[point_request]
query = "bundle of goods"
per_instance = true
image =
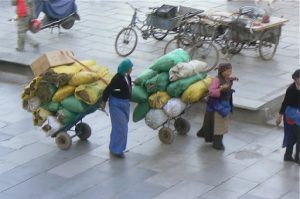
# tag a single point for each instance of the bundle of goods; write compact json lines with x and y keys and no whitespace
{"x":167,"y":86}
{"x":58,"y":94}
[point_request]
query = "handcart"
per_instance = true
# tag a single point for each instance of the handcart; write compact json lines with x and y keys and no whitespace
{"x":63,"y":140}
{"x":167,"y":135}
{"x":155,"y":25}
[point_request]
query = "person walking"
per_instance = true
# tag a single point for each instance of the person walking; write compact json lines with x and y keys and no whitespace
{"x":290,"y":111}
{"x":219,"y":106}
{"x":25,"y":12}
{"x":118,"y":92}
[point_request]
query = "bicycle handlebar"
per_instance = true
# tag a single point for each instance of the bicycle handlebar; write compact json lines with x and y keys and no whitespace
{"x":134,"y":8}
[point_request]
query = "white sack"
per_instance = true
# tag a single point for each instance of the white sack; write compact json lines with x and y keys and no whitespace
{"x":186,"y":69}
{"x":155,"y":118}
{"x":51,"y":126}
{"x":174,"y":107}
{"x":33,"y":104}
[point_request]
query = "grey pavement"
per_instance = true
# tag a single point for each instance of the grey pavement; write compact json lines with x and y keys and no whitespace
{"x":251,"y":167}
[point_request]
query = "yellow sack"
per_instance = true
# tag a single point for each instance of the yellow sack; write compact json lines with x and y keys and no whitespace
{"x":30,"y":90}
{"x":83,"y":77}
{"x":196,"y":91}
{"x":90,"y":93}
{"x":88,"y":63}
{"x":39,"y":116}
{"x":100,"y":70}
{"x":158,"y":99}
{"x":63,"y":92}
{"x":66,"y":69}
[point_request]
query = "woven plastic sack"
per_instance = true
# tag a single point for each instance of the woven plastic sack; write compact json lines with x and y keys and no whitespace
{"x":83,"y":77}
{"x":175,"y":89}
{"x":74,"y":105}
{"x":144,"y":76}
{"x":174,"y":107}
{"x":140,"y":111}
{"x":182,"y":70}
{"x":90,"y":93}
{"x":157,"y":83}
{"x":30,"y":89}
{"x":158,"y":99}
{"x":167,"y":61}
{"x":63,"y":92}
{"x":155,"y":118}
{"x":139,"y":94}
{"x":51,"y":106}
{"x":45,"y":91}
{"x":196,"y":91}
{"x":65,"y":116}
{"x":39,"y":116}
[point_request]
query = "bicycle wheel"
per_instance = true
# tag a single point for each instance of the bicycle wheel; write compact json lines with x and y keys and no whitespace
{"x":206,"y":52}
{"x":158,"y":34}
{"x":126,"y":41}
{"x":268,"y":44}
{"x":178,"y":42}
{"x":235,"y":47}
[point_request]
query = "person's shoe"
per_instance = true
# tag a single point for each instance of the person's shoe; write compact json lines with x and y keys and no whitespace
{"x":117,"y":155}
{"x":218,"y":143}
{"x":20,"y":49}
{"x":288,"y":158}
{"x":200,"y":134}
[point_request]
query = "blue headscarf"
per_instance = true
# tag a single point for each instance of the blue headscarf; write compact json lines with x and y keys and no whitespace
{"x":124,"y":66}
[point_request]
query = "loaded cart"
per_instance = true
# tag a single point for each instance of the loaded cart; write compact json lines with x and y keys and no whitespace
{"x":63,"y":139}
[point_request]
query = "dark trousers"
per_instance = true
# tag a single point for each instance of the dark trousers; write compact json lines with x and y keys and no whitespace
{"x":293,"y":138}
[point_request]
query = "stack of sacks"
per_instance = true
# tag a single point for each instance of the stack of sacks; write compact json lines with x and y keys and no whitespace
{"x":164,"y":89}
{"x":62,"y":92}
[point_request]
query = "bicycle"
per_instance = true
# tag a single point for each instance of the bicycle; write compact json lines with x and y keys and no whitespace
{"x":126,"y":40}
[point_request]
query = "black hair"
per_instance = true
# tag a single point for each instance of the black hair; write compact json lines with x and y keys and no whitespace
{"x":296,"y":74}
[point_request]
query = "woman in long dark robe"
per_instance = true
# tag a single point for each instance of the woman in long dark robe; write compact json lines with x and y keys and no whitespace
{"x":119,"y":92}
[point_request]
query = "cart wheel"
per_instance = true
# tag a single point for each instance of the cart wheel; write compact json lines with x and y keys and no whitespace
{"x":166,"y":135}
{"x":268,"y":44}
{"x":83,"y":131}
{"x":126,"y":41}
{"x":206,"y":52}
{"x":235,"y":47}
{"x":63,"y":140}
{"x":178,"y":42}
{"x":68,"y":23}
{"x":182,"y":126}
{"x":158,"y":34}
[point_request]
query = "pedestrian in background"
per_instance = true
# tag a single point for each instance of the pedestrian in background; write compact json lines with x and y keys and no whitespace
{"x":118,"y":92}
{"x":25,"y":12}
{"x":290,"y":110}
{"x":218,"y":108}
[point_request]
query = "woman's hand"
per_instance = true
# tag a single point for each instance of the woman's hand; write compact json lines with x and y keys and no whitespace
{"x":278,"y":119}
{"x":224,"y":86}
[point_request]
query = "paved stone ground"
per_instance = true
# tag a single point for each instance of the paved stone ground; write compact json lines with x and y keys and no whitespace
{"x":251,"y":167}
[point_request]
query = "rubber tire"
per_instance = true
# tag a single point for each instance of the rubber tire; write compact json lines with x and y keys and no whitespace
{"x":266,"y":36}
{"x":178,"y":42}
{"x":159,"y":36}
{"x":201,"y":47}
{"x":118,"y":37}
{"x":166,"y":135}
{"x":63,"y":140}
{"x":83,"y":131}
{"x":182,"y":126}
{"x":68,"y":23}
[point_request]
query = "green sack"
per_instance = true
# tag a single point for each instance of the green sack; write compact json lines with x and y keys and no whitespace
{"x":144,"y":76}
{"x":139,"y":94}
{"x":157,"y":83}
{"x":51,"y":106}
{"x":175,"y":89}
{"x":73,"y":104}
{"x":167,"y":61}
{"x":140,"y":111}
{"x":65,"y":116}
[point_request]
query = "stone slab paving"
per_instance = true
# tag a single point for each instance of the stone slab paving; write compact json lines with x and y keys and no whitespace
{"x":31,"y":166}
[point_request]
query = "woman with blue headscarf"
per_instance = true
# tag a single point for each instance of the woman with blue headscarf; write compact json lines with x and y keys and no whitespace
{"x":118,"y":92}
